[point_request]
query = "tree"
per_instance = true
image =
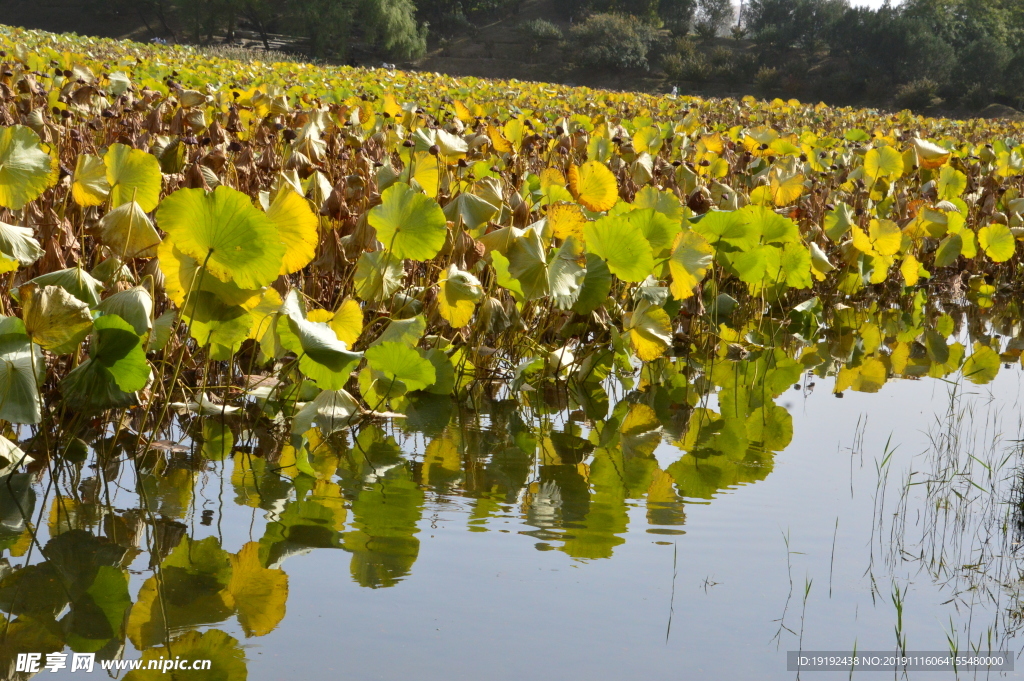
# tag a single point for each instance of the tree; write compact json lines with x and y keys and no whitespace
{"x":611,"y":41}
{"x":677,"y":14}
{"x":713,"y":17}
{"x":392,"y":25}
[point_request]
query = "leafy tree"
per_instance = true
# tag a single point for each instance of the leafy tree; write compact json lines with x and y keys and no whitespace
{"x":713,"y":17}
{"x":677,"y":14}
{"x":611,"y":41}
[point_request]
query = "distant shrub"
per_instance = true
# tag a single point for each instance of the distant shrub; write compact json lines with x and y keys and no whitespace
{"x":541,"y":29}
{"x":767,"y":79}
{"x":672,"y":65}
{"x":918,"y":94}
{"x":611,"y":41}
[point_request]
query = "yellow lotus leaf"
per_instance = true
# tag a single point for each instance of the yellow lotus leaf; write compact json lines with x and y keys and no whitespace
{"x":649,"y":329}
{"x":259,"y":593}
{"x":298,"y":228}
{"x":997,"y":241}
{"x":90,"y":186}
{"x":347,"y":322}
{"x":786,"y":188}
{"x":593,"y":185}
{"x":930,"y":156}
{"x":459,"y":292}
{"x":425,"y":173}
{"x":883,"y":162}
{"x":133,"y":175}
{"x":565,"y":220}
{"x":691,"y":257}
{"x":910,"y":268}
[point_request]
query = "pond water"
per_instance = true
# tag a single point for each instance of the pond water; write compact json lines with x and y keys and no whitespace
{"x":508,"y":542}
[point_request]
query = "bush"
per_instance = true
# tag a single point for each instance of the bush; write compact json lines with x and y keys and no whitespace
{"x":611,"y":41}
{"x":767,"y":80}
{"x":541,"y":29}
{"x":672,"y":65}
{"x":918,"y":94}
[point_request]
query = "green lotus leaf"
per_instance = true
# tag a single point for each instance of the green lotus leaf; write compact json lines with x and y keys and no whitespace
{"x":133,"y":175}
{"x":501,"y":240}
{"x":378,"y":275}
{"x":949,"y":250}
{"x":26,"y":171}
{"x":752,"y":266}
{"x":407,"y":331}
{"x":115,"y":371}
{"x":75,"y":281}
{"x":322,"y":357}
{"x":408,"y":223}
{"x":330,"y":411}
{"x":21,"y":374}
{"x":135,"y":306}
{"x":444,"y":372}
{"x":183,"y":273}
{"x":622,"y":245}
{"x":596,"y":286}
{"x":474,"y":211}
{"x":665,"y":202}
{"x":20,"y":244}
{"x":657,"y":228}
{"x":398,"y":361}
{"x":116,"y":347}
{"x":795,"y":266}
{"x":539,"y":274}
{"x":732,"y":228}
{"x":237,"y":241}
{"x":773,"y":228}
{"x":128,"y":232}
{"x":213,"y":322}
{"x":54,"y":319}
{"x":839,"y":221}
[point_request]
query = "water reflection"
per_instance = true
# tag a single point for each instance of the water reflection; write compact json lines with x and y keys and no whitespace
{"x":117,"y":544}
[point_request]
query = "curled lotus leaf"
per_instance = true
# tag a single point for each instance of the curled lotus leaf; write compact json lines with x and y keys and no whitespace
{"x":19,"y":244}
{"x":128,"y":232}
{"x":54,"y":319}
{"x":25,"y":169}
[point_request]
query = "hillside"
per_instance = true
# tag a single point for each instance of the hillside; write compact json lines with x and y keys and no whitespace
{"x":500,"y":47}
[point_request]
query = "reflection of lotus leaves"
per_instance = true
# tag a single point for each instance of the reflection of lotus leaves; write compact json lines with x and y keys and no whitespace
{"x":80,"y":571}
{"x":190,"y":591}
{"x":384,"y":524}
{"x":702,"y":477}
{"x":314,"y":522}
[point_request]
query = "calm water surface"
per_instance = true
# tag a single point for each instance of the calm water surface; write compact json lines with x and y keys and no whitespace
{"x":507,"y":545}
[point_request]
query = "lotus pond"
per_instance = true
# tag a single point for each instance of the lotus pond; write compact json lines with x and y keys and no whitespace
{"x":626,"y":532}
{"x":326,"y":371}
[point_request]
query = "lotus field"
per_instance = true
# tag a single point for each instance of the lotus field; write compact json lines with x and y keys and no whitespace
{"x":302,"y":246}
